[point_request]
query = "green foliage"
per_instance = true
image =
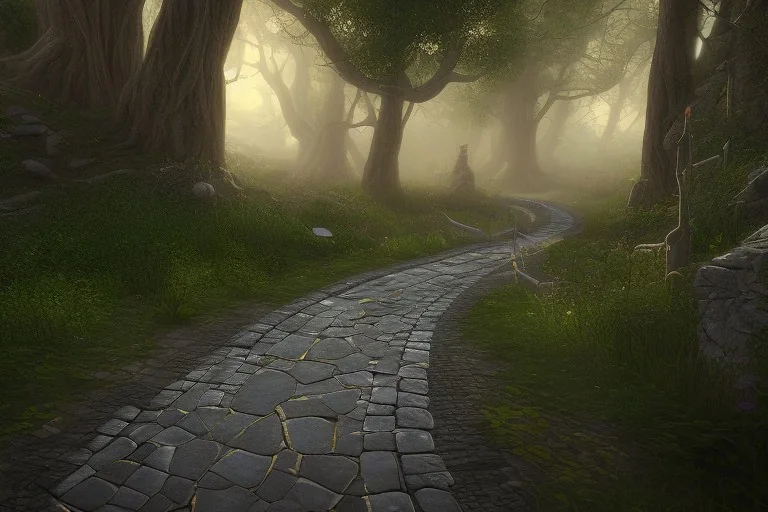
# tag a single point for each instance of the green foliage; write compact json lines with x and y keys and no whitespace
{"x":604,"y":389}
{"x":18,"y":22}
{"x":385,"y":39}
{"x":85,"y":281}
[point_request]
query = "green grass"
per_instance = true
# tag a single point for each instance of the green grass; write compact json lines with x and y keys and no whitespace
{"x":604,"y":390}
{"x":17,"y":20}
{"x":87,"y":280}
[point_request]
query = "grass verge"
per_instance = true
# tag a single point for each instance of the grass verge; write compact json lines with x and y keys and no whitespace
{"x":603,"y":389}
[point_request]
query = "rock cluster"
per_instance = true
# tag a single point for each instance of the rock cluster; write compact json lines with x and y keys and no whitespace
{"x":732,"y":294}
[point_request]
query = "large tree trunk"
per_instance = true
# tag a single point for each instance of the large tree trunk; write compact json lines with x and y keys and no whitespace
{"x":176,"y":103}
{"x":86,"y":54}
{"x":328,"y":160}
{"x":381,"y":176}
{"x":518,"y":118}
{"x":670,"y":89}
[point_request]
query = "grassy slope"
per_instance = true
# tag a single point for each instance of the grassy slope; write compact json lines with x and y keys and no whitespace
{"x":604,"y":390}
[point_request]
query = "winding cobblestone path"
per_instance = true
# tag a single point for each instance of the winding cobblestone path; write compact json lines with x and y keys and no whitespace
{"x":321,"y":405}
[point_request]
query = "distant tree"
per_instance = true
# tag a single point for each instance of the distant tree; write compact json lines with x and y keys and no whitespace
{"x":573,"y":50}
{"x":86,"y":52}
{"x":175,"y":102}
{"x":403,"y":52}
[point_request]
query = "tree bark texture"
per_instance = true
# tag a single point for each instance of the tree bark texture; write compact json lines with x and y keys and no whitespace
{"x":670,"y":89}
{"x":86,"y":54}
{"x":176,"y":103}
{"x":518,"y":119}
{"x":381,"y":177}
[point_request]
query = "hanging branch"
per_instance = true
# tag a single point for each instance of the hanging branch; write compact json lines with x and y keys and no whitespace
{"x":408,"y":112}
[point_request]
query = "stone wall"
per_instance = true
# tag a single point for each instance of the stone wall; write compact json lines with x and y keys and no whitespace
{"x":732,"y":293}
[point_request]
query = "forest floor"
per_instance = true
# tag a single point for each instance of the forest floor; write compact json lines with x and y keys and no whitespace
{"x":592,"y":397}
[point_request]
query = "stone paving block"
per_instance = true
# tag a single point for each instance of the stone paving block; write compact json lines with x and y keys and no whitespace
{"x":414,"y":441}
{"x":118,"y":472}
{"x":416,"y":356}
{"x":120,"y":448}
{"x":384,"y":395}
{"x":417,"y":386}
{"x":193,"y":424}
{"x":308,"y":372}
{"x":383,"y":379}
{"x":263,"y":391}
{"x":440,"y":480}
{"x":319,"y":388}
{"x":276,"y":486}
{"x":312,"y":496}
{"x":232,"y":425}
{"x":356,"y":379}
{"x":172,"y":436}
{"x":311,"y":435}
{"x":264,"y":437}
{"x":147,"y":480}
{"x":161,"y":458}
{"x":292,"y":346}
{"x":330,"y":349}
{"x":412,"y":400}
{"x":73,"y":479}
{"x":288,"y":461}
{"x":169,"y":417}
{"x":334,"y":472}
{"x":145,"y":432}
{"x":379,"y":424}
{"x":193,"y":459}
{"x":414,"y":417}
{"x":381,"y":410}
{"x":234,"y":499}
{"x":353,"y":363}
{"x":387,"y":365}
{"x":178,"y":489}
{"x":300,"y":408}
{"x":128,"y":498}
{"x":342,"y":402}
{"x":380,"y":441}
{"x":352,"y":504}
{"x":90,"y":494}
{"x":112,"y":427}
{"x":243,"y":468}
{"x":127,"y":413}
{"x":381,"y":471}
{"x":435,"y":500}
{"x":98,"y":442}
{"x":390,"y":502}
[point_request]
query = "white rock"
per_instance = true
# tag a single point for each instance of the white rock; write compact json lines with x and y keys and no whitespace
{"x":203,"y":190}
{"x":322,"y":232}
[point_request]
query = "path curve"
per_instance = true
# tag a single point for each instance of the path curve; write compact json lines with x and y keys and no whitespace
{"x":321,"y":405}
